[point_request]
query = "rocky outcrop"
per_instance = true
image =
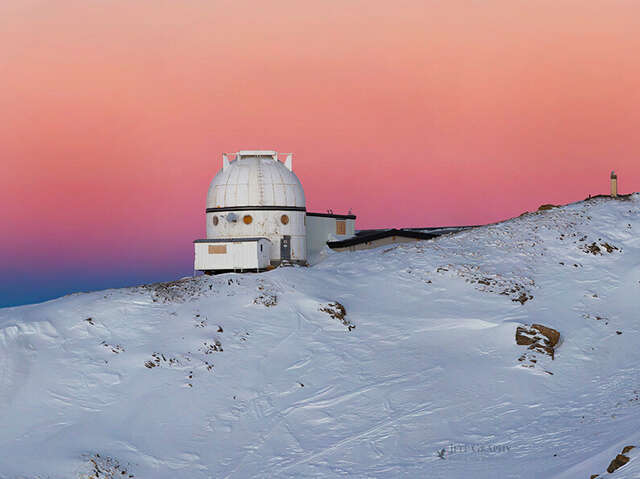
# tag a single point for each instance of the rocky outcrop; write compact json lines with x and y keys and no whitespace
{"x":337,"y":311}
{"x":596,"y":249}
{"x":620,"y":460}
{"x":547,"y":207}
{"x":539,"y":338}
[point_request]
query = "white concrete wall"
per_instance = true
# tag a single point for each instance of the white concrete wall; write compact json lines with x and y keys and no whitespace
{"x":265,"y":223}
{"x":321,"y":229}
{"x":239,"y":255}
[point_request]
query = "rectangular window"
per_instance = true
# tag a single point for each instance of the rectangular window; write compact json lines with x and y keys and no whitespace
{"x":217,"y":249}
{"x":341,"y":227}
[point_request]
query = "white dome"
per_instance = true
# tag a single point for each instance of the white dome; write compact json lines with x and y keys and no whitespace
{"x":255,"y":178}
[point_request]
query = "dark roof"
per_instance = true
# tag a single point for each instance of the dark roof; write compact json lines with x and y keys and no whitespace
{"x":380,"y":234}
{"x":366,"y":236}
{"x":331,"y":215}
{"x":229,"y":240}
{"x":435,"y":230}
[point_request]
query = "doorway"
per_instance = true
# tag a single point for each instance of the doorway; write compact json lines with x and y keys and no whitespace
{"x":285,"y":248}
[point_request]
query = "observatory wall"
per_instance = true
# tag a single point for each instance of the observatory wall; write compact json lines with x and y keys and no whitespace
{"x":323,"y":227}
{"x":267,"y":222}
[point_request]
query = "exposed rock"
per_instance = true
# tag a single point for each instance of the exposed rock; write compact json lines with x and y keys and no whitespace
{"x":592,"y":248}
{"x":522,"y":336}
{"x":338,"y":311}
{"x":551,"y":334}
{"x":539,"y":338}
{"x":159,"y":358}
{"x":213,"y":347}
{"x":335,"y":310}
{"x":517,"y":288}
{"x":617,"y":463}
{"x":115,"y":348}
{"x":266,"y":299}
{"x":177,"y":291}
{"x":620,"y":460}
{"x":547,"y":207}
{"x":523,"y":298}
{"x":107,"y":468}
{"x":596,"y":249}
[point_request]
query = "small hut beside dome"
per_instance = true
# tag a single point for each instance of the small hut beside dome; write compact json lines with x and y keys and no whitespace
{"x":323,"y":228}
{"x":256,"y":217}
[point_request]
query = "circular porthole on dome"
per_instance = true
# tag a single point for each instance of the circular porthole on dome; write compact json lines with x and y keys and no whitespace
{"x":214,"y":220}
{"x":284,"y":219}
{"x":247,"y":219}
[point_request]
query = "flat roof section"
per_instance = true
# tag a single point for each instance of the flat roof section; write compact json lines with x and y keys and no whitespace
{"x":230,"y":240}
{"x":380,"y":235}
{"x":331,"y":215}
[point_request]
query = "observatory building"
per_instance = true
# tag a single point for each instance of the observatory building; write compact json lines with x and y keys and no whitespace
{"x":257,"y":218}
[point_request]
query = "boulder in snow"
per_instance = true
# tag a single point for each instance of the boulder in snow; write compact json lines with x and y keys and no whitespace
{"x":620,"y":460}
{"x":538,"y":337}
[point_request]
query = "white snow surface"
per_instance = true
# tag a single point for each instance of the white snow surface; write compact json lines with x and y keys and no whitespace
{"x":252,"y":379}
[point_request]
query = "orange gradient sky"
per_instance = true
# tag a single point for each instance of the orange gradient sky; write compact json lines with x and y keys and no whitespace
{"x":412,"y":113}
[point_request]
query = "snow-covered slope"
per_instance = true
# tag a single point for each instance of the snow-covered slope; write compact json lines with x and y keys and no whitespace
{"x":259,"y":376}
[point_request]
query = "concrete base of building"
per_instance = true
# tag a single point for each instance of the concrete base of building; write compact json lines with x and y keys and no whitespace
{"x":273,"y":265}
{"x":285,"y":262}
{"x":222,"y":271}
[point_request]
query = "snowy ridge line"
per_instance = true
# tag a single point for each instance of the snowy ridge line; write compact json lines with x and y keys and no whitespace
{"x":265,"y":383}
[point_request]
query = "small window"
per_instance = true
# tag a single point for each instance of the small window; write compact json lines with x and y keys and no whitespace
{"x":284,"y":219}
{"x":341,"y":227}
{"x":260,"y":247}
{"x":247,"y":219}
{"x":217,"y":249}
{"x":214,"y":220}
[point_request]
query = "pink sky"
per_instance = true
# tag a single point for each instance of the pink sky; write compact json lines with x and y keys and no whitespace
{"x":412,"y":113}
